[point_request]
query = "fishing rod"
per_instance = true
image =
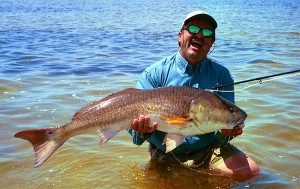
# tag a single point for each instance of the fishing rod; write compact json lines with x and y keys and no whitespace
{"x":254,"y":79}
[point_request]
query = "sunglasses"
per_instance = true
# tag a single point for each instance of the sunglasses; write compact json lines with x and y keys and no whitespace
{"x":193,"y":29}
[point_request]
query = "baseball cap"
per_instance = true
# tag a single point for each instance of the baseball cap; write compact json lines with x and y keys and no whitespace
{"x":201,"y":15}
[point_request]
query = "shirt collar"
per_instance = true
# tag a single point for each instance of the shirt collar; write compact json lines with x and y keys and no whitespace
{"x":183,"y":64}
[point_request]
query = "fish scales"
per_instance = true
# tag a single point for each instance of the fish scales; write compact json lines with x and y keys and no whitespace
{"x":179,"y":111}
{"x":143,"y":102}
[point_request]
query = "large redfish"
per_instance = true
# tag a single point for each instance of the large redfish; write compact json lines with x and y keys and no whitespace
{"x":179,"y":112}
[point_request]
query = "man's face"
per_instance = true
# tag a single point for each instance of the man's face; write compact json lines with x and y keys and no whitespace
{"x":195,"y":47}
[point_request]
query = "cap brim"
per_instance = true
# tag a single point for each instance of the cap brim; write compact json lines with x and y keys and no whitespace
{"x":201,"y":16}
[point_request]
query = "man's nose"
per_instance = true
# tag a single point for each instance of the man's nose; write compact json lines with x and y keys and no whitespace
{"x":199,"y":34}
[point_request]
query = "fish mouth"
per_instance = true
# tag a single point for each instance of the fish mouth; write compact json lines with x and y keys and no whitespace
{"x":239,"y":123}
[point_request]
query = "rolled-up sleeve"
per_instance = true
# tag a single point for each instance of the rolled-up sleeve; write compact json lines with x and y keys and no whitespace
{"x":137,"y":138}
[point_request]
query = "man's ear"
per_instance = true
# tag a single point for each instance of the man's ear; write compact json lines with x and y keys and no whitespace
{"x":179,"y":37}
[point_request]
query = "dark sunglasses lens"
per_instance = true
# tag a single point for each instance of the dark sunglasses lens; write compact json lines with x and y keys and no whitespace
{"x":193,"y":29}
{"x":207,"y":33}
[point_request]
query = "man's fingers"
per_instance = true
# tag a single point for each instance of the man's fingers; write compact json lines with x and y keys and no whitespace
{"x":146,"y":121}
{"x":238,"y":131}
{"x":155,"y":124}
{"x":151,"y":128}
{"x":148,"y":128}
{"x":134,"y":124}
{"x":232,"y":132}
{"x":142,"y":125}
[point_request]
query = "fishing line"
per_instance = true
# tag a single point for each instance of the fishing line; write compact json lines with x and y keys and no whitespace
{"x":259,"y":79}
{"x":189,"y":167}
{"x":216,"y":89}
{"x":198,"y":171}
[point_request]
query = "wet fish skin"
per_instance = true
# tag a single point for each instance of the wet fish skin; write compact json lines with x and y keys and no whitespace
{"x":179,"y":111}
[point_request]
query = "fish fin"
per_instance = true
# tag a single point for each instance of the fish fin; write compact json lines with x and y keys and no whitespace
{"x":106,"y":135}
{"x":172,"y":141}
{"x":178,"y":120}
{"x":42,"y":143}
{"x":94,"y":105}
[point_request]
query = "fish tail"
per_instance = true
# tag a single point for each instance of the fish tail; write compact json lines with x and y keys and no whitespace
{"x":45,"y":142}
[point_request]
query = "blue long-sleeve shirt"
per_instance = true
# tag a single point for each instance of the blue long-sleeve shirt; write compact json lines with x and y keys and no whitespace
{"x":176,"y":71}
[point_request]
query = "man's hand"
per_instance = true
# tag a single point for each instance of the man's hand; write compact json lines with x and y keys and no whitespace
{"x":237,"y":130}
{"x":142,"y":125}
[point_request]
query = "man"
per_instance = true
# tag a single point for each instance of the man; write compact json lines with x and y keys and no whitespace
{"x":191,"y":67}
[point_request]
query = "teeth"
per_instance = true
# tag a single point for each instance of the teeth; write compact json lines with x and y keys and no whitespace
{"x":197,"y":42}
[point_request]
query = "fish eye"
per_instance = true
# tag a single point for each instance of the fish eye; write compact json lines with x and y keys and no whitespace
{"x":231,"y":110}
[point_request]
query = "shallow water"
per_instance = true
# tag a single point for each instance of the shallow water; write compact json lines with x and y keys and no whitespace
{"x":57,"y":56}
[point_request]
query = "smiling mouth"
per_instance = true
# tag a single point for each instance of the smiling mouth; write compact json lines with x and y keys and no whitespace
{"x":196,"y":44}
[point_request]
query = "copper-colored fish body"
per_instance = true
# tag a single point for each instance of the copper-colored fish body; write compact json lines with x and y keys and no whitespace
{"x":179,"y":111}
